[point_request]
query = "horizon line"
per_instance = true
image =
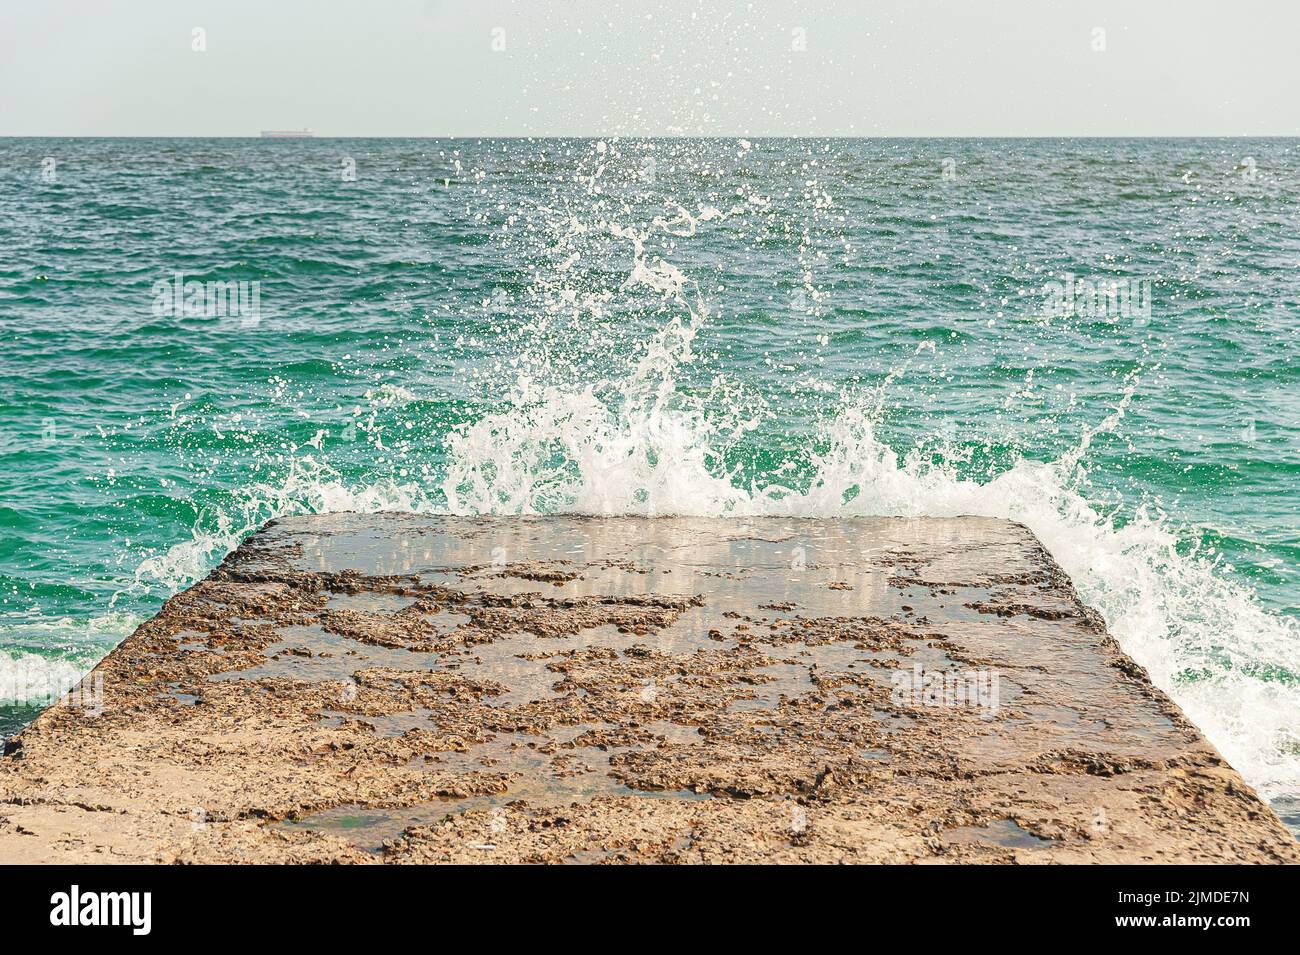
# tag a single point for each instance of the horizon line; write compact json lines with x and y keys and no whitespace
{"x":664,"y":136}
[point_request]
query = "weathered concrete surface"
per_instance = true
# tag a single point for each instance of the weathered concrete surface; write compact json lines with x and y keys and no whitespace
{"x":396,"y":688}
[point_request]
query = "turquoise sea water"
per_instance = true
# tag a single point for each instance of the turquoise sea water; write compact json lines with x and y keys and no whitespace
{"x":776,"y":326}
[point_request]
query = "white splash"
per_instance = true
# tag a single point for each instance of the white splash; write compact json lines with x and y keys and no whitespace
{"x":34,"y":680}
{"x":310,"y":487}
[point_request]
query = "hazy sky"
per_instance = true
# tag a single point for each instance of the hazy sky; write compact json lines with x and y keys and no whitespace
{"x":604,"y":67}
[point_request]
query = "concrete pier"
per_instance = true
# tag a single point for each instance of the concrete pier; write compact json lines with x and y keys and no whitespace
{"x":409,"y":689}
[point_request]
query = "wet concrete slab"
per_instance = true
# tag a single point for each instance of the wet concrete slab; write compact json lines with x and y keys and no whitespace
{"x":396,"y":688}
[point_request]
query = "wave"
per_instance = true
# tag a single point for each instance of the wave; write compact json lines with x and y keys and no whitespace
{"x":33,"y":679}
{"x":311,"y":486}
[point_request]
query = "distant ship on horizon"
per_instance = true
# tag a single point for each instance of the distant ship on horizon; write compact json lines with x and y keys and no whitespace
{"x":287,"y":134}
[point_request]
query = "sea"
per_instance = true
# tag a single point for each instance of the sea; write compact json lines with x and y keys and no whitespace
{"x":1095,"y":337}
